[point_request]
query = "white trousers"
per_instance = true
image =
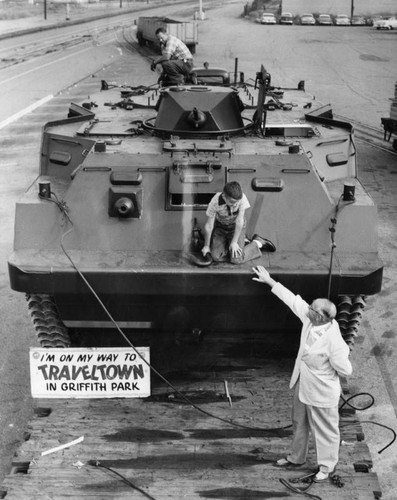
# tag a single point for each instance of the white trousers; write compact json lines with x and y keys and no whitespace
{"x":323,"y":423}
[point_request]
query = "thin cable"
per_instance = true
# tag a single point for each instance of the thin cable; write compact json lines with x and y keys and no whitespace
{"x":334,"y":220}
{"x":359,"y":408}
{"x":334,"y":478}
{"x":332,"y":230}
{"x":64,"y":209}
{"x":96,"y":463}
{"x":386,"y":427}
{"x":298,"y":490}
{"x":346,"y":402}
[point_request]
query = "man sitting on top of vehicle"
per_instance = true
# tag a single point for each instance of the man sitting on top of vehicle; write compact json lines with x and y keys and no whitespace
{"x":176,"y":59}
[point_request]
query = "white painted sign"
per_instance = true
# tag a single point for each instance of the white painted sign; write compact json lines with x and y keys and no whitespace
{"x":90,"y":373}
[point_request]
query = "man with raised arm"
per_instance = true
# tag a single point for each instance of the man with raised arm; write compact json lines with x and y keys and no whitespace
{"x":322,"y":358}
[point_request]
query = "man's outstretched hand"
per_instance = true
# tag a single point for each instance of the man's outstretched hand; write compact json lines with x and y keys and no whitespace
{"x":263,"y":276}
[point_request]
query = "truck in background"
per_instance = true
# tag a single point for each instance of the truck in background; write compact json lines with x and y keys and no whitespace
{"x":184,"y":30}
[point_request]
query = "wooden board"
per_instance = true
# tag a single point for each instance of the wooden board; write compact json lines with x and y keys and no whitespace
{"x":171,"y":449}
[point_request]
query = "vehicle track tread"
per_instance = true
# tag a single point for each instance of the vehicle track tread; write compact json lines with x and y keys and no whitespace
{"x":50,"y":330}
{"x":350,"y":310}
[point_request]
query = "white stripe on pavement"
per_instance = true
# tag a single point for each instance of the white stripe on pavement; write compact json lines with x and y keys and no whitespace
{"x":25,"y":111}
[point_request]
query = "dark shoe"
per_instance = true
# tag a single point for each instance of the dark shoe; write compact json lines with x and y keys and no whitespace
{"x":208,"y":259}
{"x":284,"y":462}
{"x":267,"y":245}
{"x":198,"y":259}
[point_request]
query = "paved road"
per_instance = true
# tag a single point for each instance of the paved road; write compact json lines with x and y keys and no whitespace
{"x":355,"y":70}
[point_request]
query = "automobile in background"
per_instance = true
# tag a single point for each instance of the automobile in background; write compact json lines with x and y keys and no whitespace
{"x":268,"y":18}
{"x":324,"y":19}
{"x":389,"y":23}
{"x":307,"y":19}
{"x":286,"y":18}
{"x":342,"y":20}
{"x":358,"y":21}
{"x":372,"y":20}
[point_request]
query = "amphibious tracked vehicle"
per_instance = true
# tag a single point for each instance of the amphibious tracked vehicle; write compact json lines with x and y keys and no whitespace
{"x":103,"y":236}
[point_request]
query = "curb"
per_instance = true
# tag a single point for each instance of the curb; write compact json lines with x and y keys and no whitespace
{"x":63,"y":24}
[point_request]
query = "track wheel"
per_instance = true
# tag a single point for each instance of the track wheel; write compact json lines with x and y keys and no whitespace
{"x":49,"y":327}
{"x":349,"y":315}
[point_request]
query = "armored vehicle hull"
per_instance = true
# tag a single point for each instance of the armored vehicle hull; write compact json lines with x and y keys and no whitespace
{"x":104,"y":236}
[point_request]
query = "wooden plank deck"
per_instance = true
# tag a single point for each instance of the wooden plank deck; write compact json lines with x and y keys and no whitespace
{"x":171,"y":450}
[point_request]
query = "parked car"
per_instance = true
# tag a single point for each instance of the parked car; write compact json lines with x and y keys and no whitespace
{"x":358,"y":21}
{"x":386,"y":24}
{"x":372,"y":20}
{"x":268,"y":18}
{"x":307,"y":19}
{"x":342,"y":20}
{"x":286,"y":18}
{"x":324,"y":19}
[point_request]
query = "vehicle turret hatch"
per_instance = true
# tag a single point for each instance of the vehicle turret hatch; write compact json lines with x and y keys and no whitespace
{"x":105,"y":128}
{"x":288,"y":130}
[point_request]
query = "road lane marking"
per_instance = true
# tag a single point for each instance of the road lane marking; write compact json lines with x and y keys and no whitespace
{"x":25,"y":111}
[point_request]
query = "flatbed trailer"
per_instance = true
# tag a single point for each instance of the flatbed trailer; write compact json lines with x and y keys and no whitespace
{"x":221,"y":443}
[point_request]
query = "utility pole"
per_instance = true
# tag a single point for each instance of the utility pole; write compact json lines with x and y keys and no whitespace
{"x":352,"y":9}
{"x":45,"y":9}
{"x":201,"y":15}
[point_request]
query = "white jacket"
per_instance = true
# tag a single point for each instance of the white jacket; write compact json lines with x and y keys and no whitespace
{"x":318,"y":367}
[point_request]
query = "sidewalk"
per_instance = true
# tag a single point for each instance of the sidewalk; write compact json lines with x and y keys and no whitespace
{"x":75,"y":14}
